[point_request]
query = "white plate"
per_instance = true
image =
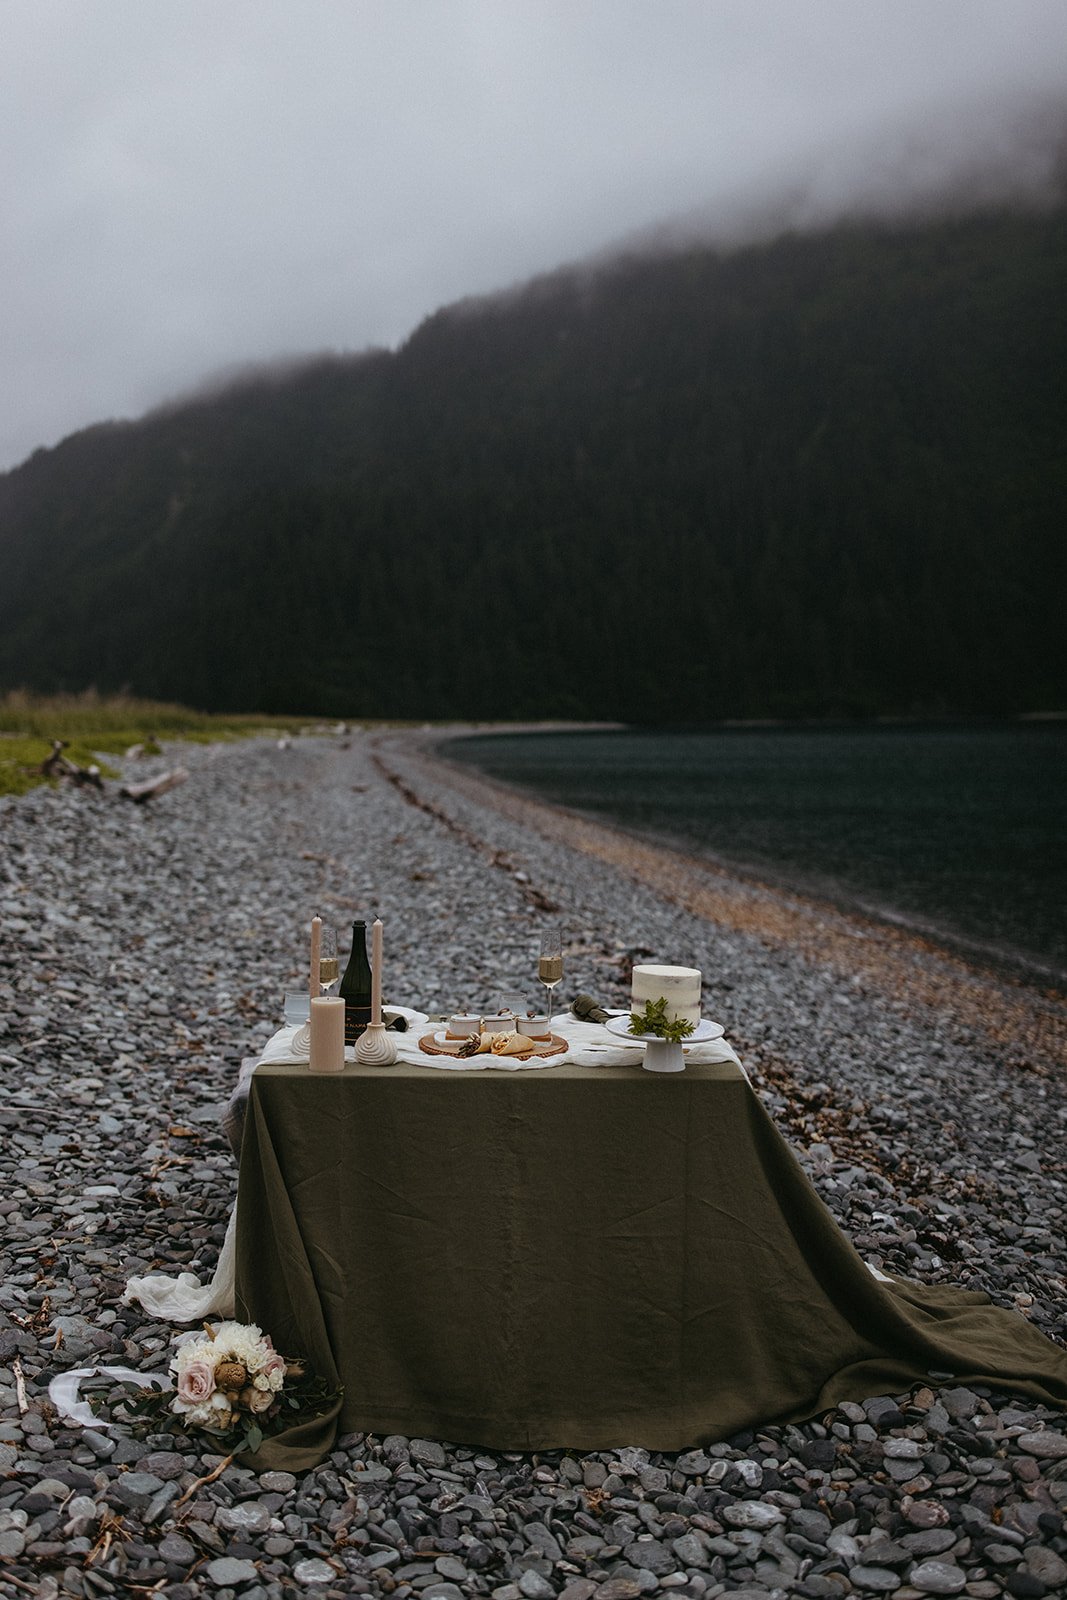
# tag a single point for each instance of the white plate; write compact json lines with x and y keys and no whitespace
{"x":704,"y":1030}
{"x":444,"y":1038}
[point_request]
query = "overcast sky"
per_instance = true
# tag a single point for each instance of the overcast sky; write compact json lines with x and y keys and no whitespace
{"x":198,"y":183}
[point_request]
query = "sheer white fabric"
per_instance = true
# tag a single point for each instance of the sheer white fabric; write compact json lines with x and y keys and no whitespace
{"x":185,"y":1298}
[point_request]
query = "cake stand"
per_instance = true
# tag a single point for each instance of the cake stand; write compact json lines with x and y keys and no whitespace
{"x":663,"y":1055}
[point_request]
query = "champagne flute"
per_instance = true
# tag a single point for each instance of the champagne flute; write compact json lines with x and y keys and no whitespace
{"x":550,"y":963}
{"x":329,"y":967}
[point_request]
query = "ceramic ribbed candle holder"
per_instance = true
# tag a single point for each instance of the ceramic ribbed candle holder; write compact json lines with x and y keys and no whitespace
{"x":375,"y":1047}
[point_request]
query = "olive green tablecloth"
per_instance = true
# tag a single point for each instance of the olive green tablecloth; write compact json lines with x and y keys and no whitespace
{"x":575,"y":1257}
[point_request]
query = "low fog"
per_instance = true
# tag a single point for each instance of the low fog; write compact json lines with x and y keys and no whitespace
{"x":197,"y":190}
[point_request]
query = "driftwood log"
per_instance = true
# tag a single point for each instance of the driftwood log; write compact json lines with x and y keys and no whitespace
{"x":57,"y":765}
{"x":141,"y":793}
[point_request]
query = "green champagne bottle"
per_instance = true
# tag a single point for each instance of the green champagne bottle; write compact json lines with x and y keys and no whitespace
{"x":355,"y":985}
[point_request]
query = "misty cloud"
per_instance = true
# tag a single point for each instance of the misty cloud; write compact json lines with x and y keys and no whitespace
{"x":199,"y":187}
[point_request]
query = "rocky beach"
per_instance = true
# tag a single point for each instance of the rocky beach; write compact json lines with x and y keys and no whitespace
{"x":144,"y":953}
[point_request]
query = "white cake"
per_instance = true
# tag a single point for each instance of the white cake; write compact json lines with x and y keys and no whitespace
{"x":679,"y":986}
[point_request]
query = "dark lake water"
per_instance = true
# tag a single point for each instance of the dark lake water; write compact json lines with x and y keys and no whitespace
{"x":952,"y":830}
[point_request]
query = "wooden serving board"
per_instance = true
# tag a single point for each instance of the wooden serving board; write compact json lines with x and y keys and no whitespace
{"x":552,"y":1046}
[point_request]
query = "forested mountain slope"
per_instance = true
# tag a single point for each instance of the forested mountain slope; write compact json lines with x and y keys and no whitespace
{"x":825,"y":475}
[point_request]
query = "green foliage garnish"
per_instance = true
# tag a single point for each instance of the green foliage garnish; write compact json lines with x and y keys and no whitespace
{"x":655,"y":1020}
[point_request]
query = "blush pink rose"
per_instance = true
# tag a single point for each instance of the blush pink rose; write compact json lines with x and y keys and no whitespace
{"x":274,"y":1363}
{"x":196,"y":1383}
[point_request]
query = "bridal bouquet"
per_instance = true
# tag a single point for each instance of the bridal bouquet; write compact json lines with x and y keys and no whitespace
{"x":230,"y":1380}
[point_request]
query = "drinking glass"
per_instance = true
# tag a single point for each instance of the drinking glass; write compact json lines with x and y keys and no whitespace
{"x":296,"y":1008}
{"x":329,"y":967}
{"x":511,"y":1000}
{"x":550,"y":962}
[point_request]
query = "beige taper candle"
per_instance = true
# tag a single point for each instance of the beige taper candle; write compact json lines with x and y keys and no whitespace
{"x":376,"y":970}
{"x":314,"y":987}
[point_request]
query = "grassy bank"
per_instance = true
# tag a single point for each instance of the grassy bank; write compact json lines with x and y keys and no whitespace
{"x":93,"y":727}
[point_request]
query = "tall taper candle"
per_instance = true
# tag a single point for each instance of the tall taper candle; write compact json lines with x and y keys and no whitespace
{"x":316,"y":948}
{"x":376,"y":970}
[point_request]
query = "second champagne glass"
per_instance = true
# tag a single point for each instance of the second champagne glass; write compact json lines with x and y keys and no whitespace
{"x":329,"y":971}
{"x":550,"y":962}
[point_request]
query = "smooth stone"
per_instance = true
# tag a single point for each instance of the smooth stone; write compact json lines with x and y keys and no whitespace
{"x":888,"y":1553}
{"x":813,"y":1525}
{"x":930,"y":1542}
{"x":312,"y":1571}
{"x":227,"y":1570}
{"x":755,"y":1514}
{"x":277,"y":1482}
{"x":651,"y":1555}
{"x":247,"y":1516}
{"x":689,"y":1550}
{"x":1047,"y":1446}
{"x":136,"y":1489}
{"x":937,"y":1577}
{"x":960,"y":1403}
{"x":532,"y":1585}
{"x":165,"y":1464}
{"x":1047,"y":1566}
{"x":428,"y":1453}
{"x":172,"y":1547}
{"x":578,"y":1589}
{"x":926,"y":1514}
{"x":877,"y":1580}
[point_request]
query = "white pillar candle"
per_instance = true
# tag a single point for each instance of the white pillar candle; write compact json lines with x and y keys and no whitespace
{"x":327,"y":1034}
{"x":376,"y":970}
{"x":316,"y":951}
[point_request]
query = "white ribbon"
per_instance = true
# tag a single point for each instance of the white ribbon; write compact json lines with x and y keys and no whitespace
{"x":64,"y":1391}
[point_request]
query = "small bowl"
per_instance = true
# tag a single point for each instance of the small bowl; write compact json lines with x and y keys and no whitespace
{"x":534,"y":1027}
{"x":499,"y":1022}
{"x":462,"y":1025}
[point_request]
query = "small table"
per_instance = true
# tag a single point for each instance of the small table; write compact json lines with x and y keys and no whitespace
{"x":579,"y":1257}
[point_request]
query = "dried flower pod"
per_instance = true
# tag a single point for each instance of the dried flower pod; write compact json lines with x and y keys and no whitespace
{"x":295,"y":1370}
{"x":231,"y":1375}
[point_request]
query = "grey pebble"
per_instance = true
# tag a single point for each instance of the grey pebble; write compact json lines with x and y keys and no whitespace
{"x":227,"y":1570}
{"x":1046,"y":1446}
{"x":136,"y":1489}
{"x":314,"y":1572}
{"x":172,"y":1547}
{"x":247,"y":1516}
{"x":937,"y":1577}
{"x":873,"y":1580}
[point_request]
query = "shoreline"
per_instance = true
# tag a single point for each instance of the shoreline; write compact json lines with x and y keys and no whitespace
{"x":1013,"y":963}
{"x":1001,"y":961}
